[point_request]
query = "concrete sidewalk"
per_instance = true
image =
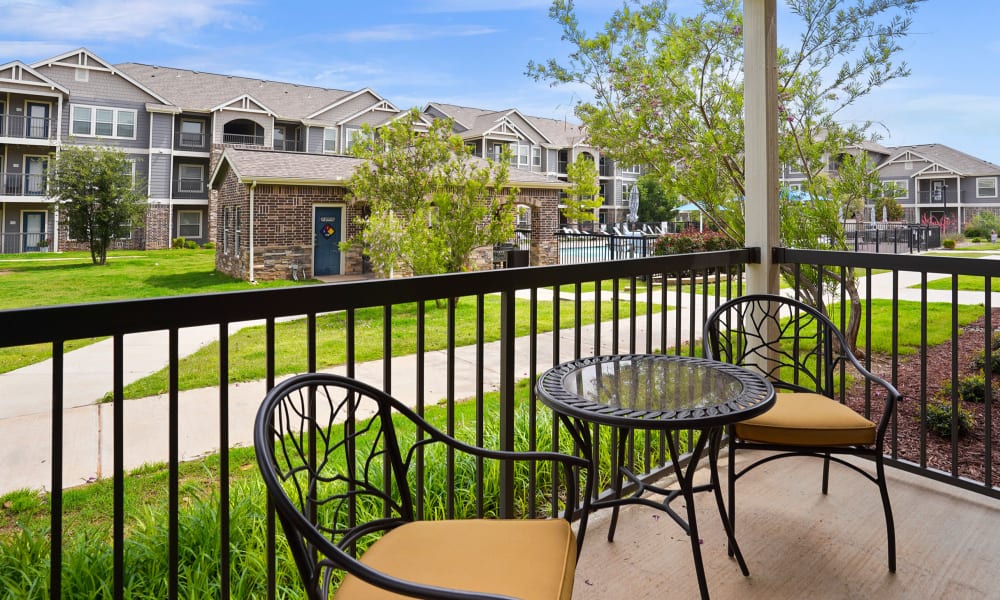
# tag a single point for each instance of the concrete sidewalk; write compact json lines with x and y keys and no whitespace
{"x":25,"y":394}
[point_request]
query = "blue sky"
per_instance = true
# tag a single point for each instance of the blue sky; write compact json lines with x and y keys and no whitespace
{"x":474,"y":53}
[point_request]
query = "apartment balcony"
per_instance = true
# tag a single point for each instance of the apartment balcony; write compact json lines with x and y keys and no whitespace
{"x":796,"y":540}
{"x":289,"y":145}
{"x":30,"y":131}
{"x":23,"y":185}
{"x":241,"y":139}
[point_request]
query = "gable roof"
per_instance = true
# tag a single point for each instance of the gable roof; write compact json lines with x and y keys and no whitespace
{"x":85,"y":57}
{"x":946,"y":158}
{"x":205,"y":92}
{"x":15,"y":71}
{"x":478,"y":122}
{"x":270,"y":167}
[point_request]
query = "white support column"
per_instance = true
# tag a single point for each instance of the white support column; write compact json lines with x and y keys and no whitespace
{"x":760,"y":78}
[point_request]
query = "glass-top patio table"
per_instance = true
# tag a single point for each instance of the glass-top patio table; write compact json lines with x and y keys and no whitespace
{"x":662,"y":393}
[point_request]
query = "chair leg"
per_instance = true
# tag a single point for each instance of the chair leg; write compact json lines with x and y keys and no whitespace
{"x":731,"y":484}
{"x":890,"y":528}
{"x":826,"y":473}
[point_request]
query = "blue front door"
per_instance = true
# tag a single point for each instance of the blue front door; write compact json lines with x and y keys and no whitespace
{"x":328,"y":231}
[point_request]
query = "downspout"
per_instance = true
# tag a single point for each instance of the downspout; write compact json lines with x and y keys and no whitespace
{"x":253,"y":184}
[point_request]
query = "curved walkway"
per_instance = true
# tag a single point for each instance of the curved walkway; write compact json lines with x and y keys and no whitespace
{"x":25,"y":395}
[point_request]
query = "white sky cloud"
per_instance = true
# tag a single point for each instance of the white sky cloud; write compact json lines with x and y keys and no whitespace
{"x":109,"y":19}
{"x":408,"y":32}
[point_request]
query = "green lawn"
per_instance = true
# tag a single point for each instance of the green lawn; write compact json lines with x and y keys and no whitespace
{"x":70,"y":277}
{"x":247,"y":356}
{"x":966,"y":283}
{"x":44,"y":279}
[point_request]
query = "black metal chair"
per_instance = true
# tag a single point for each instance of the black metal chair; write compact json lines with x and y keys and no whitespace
{"x":339,"y":461}
{"x":806,"y":357}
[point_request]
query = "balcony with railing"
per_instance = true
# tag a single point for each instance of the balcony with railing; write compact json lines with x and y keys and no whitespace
{"x":243,"y":139}
{"x":187,"y":140}
{"x":794,"y":537}
{"x":28,"y":130}
{"x":20,"y":242}
{"x":289,"y":145}
{"x":22,"y":184}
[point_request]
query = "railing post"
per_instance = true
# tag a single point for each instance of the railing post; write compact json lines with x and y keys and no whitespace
{"x":508,"y":334}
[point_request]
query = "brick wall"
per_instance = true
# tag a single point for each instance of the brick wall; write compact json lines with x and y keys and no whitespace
{"x":282,"y":229}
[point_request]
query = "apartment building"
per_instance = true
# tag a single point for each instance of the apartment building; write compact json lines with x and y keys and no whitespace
{"x":933,"y":182}
{"x":540,"y":145}
{"x":172,"y":124}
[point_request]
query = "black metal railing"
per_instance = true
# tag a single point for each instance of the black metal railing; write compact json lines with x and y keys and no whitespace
{"x":616,"y":313}
{"x":23,"y":184}
{"x":631,"y":292}
{"x":27,"y":128}
{"x":191,"y":188}
{"x":185,"y":139}
{"x":16,"y":243}
{"x":575,"y":248}
{"x":893,"y":238}
{"x":289,"y":145}
{"x":242,"y":139}
{"x":909,"y":290}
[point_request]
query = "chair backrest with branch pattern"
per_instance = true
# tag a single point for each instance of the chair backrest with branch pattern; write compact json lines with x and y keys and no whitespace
{"x":791,"y":343}
{"x":331,"y":460}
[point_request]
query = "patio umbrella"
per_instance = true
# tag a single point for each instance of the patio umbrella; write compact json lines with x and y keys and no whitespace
{"x":633,"y":204}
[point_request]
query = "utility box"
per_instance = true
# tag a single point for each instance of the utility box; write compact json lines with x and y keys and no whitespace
{"x":517,"y":258}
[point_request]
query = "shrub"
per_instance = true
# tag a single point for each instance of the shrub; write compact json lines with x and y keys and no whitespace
{"x":948,"y":243}
{"x":938,"y":419}
{"x":191,"y":244}
{"x":693,"y":241}
{"x":177,"y":242}
{"x":982,"y":224}
{"x":208,"y":245}
{"x":970,"y":389}
{"x":979,"y":362}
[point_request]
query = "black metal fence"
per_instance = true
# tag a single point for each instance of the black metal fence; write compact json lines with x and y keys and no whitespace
{"x":604,"y":307}
{"x":576,"y":248}
{"x":893,"y":238}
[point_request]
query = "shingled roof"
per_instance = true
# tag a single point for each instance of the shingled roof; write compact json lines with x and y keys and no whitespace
{"x":197,"y":91}
{"x":475,"y":121}
{"x":956,"y":161}
{"x":266,"y":166}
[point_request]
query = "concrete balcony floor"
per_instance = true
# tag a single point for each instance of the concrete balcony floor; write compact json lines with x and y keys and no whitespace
{"x":799,"y":543}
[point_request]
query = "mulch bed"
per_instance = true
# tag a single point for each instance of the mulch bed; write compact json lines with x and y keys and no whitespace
{"x":936,"y":371}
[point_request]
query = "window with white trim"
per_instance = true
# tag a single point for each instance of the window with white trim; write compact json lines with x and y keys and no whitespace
{"x":520,"y":155}
{"x":353,"y":135}
{"x":536,"y":156}
{"x":633,"y":170}
{"x":330,"y":139}
{"x":901,"y":188}
{"x":191,"y":178}
{"x":102,"y":121}
{"x":236,"y":230}
{"x":192,"y":133}
{"x":227,"y":215}
{"x":986,"y":187}
{"x":189,"y":223}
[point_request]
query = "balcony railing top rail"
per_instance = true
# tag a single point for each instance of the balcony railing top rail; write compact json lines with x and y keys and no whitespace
{"x":606,"y":307}
{"x":28,"y":128}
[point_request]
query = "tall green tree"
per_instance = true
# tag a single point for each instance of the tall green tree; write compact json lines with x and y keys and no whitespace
{"x":99,"y":196}
{"x":656,"y":203}
{"x":582,"y":197}
{"x":431,"y":202}
{"x":668,"y":94}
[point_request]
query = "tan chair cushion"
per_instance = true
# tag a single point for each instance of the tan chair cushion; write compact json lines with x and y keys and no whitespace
{"x":527,"y":558}
{"x":798,"y":419}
